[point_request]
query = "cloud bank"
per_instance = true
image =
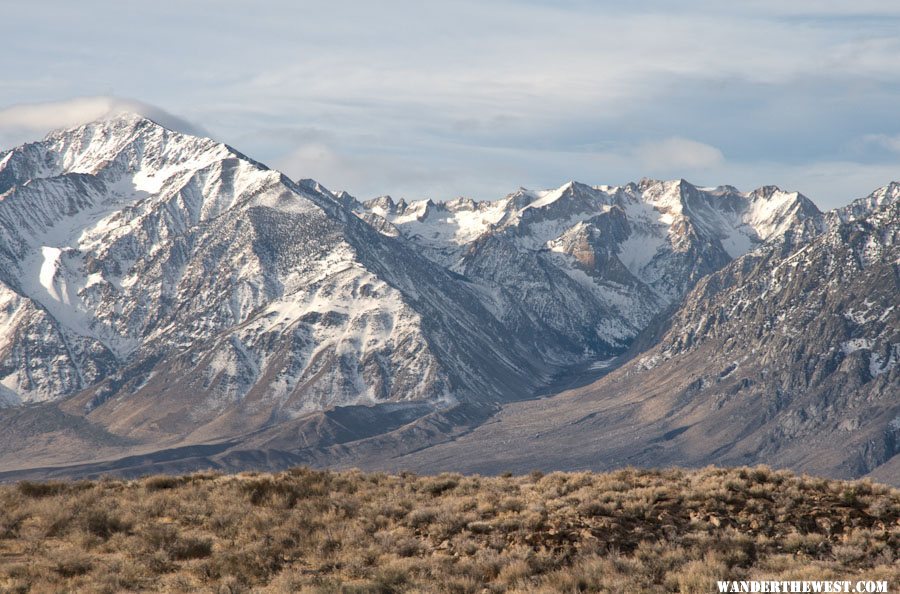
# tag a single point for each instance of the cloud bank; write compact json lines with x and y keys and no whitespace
{"x":23,"y":122}
{"x":477,"y":98}
{"x":673,"y":154}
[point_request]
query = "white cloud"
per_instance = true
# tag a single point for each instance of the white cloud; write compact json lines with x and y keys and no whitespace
{"x":672,"y":154}
{"x":496,"y":94}
{"x":821,"y":7}
{"x":373,"y":173}
{"x":27,"y":121}
{"x":364,"y":176}
{"x":828,"y":183}
{"x":884,"y":141}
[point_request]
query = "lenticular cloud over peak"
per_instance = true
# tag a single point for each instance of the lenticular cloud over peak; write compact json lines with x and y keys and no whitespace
{"x":26,"y":121}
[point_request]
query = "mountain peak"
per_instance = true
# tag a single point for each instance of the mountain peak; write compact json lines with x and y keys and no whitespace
{"x":767,"y":192}
{"x":569,"y":190}
{"x":880,"y":199}
{"x":153,"y":271}
{"x":889,"y":193}
{"x":114,"y":123}
{"x":661,"y":185}
{"x":130,"y":117}
{"x":311,"y":184}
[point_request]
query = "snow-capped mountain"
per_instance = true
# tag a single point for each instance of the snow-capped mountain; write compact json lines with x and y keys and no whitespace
{"x":163,"y":290}
{"x":159,"y":275}
{"x":788,"y":356}
{"x":133,"y":255}
{"x":595,"y":264}
{"x":802,"y":345}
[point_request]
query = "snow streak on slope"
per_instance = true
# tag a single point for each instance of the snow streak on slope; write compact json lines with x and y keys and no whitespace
{"x":169,"y":284}
{"x":595,"y":264}
{"x":800,"y":344}
{"x":123,"y":243}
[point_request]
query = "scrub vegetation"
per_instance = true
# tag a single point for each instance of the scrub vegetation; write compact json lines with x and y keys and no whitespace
{"x":319,"y":531}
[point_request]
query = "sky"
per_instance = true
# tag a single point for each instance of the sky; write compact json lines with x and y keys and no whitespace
{"x":477,"y":98}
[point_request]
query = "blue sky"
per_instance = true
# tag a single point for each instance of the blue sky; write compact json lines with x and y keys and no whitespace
{"x":443,"y":99}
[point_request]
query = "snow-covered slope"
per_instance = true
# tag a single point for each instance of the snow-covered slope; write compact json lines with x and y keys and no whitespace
{"x":802,"y":345}
{"x":166,"y":284}
{"x":161,"y":290}
{"x":138,"y":264}
{"x":596,"y":264}
{"x":789,"y":356}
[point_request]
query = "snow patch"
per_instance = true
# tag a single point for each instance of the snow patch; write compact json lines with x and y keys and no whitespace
{"x":546,"y":197}
{"x":602,"y":364}
{"x":879,"y":364}
{"x":49,"y":268}
{"x":856,"y":344}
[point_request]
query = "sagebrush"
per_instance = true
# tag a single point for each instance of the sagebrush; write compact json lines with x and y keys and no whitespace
{"x":319,"y":531}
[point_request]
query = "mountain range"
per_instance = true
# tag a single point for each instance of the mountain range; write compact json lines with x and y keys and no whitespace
{"x":167,"y":302}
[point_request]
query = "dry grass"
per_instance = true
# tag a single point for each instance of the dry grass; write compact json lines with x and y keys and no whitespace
{"x":310,"y":531}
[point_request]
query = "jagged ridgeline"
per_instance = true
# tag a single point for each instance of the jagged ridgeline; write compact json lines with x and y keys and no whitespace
{"x":126,"y":246}
{"x":165,"y":289}
{"x":786,"y":356}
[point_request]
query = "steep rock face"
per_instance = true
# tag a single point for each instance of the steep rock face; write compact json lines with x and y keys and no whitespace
{"x":595,"y":264}
{"x":169,"y":288}
{"x":802,"y":345}
{"x":159,"y":290}
{"x":166,"y":277}
{"x":787,"y":356}
{"x":132,"y":253}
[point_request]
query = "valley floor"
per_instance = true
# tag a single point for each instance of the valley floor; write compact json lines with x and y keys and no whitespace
{"x":325,"y":531}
